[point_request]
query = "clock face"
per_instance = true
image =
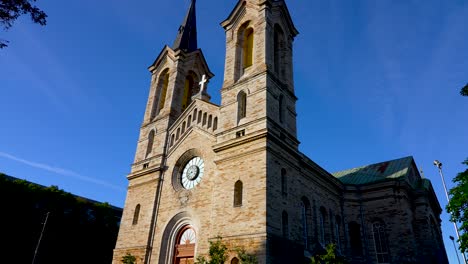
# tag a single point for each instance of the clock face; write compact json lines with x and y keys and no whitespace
{"x":192,"y":173}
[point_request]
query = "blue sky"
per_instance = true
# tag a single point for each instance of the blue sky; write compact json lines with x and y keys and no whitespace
{"x":376,"y":80}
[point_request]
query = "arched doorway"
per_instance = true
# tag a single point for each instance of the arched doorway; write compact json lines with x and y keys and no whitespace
{"x":185,"y":246}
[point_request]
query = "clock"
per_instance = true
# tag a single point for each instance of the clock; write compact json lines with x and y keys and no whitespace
{"x":192,"y":173}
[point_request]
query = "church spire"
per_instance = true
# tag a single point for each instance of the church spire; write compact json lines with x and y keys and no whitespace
{"x":187,"y":37}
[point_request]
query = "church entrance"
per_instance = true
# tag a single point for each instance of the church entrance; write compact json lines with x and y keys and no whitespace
{"x":185,"y":246}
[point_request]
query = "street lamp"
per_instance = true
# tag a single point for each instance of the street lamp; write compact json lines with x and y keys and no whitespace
{"x":455,"y":247}
{"x":438,"y":164}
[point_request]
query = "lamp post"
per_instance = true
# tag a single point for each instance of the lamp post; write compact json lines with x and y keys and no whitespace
{"x":455,"y":247}
{"x":438,"y":164}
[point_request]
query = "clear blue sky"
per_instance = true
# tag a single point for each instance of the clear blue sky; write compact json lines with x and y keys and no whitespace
{"x":376,"y":80}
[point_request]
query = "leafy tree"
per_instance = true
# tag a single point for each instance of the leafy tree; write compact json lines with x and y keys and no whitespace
{"x":10,"y":10}
{"x":128,"y":259}
{"x":217,"y":253}
{"x":464,"y":90}
{"x":329,"y":256}
{"x":246,"y":258}
{"x":458,"y":206}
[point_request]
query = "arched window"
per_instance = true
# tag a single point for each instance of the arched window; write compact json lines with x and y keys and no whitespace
{"x":337,"y":233}
{"x":210,"y":121}
{"x":194,"y":114}
{"x":241,"y":105}
{"x":136,"y":215}
{"x":322,"y":221}
{"x":247,"y":48}
{"x":380,"y":242}
{"x":161,"y":92}
{"x":244,"y":50}
{"x":305,"y":221}
{"x":189,"y":90}
{"x":235,"y":261}
{"x":215,"y":123}
{"x":355,"y":238}
{"x":284,"y":183}
{"x":199,"y":116}
{"x":285,"y":224}
{"x":278,"y":51}
{"x":185,"y":246}
{"x":238,"y":190}
{"x":172,"y":140}
{"x":189,"y":121}
{"x":178,"y":134}
{"x":281,"y":108}
{"x":149,"y":147}
{"x":204,"y":119}
{"x":183,"y":127}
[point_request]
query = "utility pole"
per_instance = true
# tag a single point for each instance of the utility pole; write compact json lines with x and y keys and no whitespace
{"x":438,"y":164}
{"x":40,"y":238}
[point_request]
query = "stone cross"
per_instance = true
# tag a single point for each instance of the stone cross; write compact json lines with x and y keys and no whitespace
{"x":202,"y":83}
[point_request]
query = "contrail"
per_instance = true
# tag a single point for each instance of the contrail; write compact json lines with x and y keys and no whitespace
{"x":60,"y":171}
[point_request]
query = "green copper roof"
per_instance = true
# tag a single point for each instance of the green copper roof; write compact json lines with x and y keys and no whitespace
{"x":393,"y":169}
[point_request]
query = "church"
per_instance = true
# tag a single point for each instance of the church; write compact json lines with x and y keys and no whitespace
{"x":234,"y":170}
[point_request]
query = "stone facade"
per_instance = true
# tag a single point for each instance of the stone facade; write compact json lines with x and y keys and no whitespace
{"x":289,"y":207}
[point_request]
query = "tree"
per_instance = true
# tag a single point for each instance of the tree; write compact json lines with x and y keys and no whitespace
{"x":458,"y":206}
{"x":464,"y":90}
{"x":10,"y":10}
{"x":329,"y":256}
{"x":128,"y":259}
{"x":217,"y":253}
{"x":246,"y":258}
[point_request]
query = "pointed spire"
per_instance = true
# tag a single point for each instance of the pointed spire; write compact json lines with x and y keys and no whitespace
{"x":187,"y":37}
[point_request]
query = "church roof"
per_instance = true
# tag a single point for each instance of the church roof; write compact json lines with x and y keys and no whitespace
{"x":187,"y":36}
{"x":388,"y":170}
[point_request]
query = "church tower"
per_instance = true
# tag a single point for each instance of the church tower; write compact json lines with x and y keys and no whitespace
{"x":175,"y":77}
{"x":258,"y":76}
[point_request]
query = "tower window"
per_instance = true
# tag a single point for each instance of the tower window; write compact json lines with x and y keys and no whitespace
{"x":161,"y":92}
{"x":284,"y":183}
{"x":278,"y":53}
{"x":238,"y":190}
{"x":136,"y":215}
{"x":248,"y":48}
{"x":241,"y":105}
{"x":285,"y":224}
{"x":149,"y":147}
{"x":380,"y":242}
{"x":244,"y":50}
{"x":281,"y":108}
{"x":189,"y":90}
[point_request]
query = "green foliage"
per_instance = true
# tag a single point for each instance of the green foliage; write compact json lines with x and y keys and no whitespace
{"x":10,"y":10}
{"x":246,"y":258}
{"x":464,"y":90}
{"x":75,"y":225}
{"x":458,"y":206}
{"x":217,"y":253}
{"x":128,"y":259}
{"x":330,"y":256}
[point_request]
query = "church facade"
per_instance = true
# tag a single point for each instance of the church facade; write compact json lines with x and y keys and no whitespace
{"x":234,"y":171}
